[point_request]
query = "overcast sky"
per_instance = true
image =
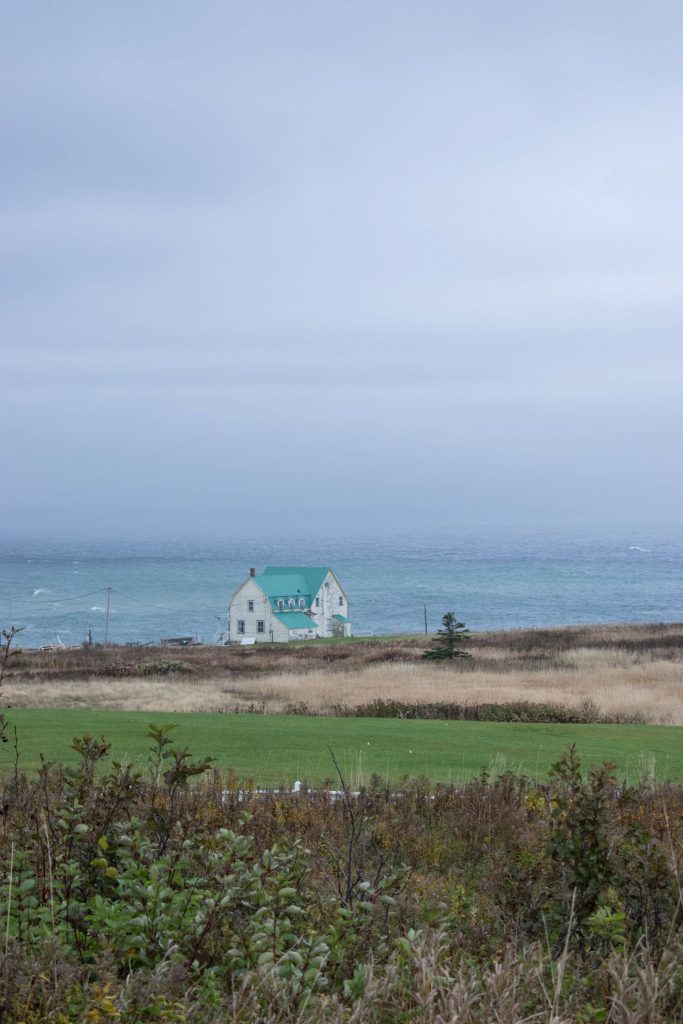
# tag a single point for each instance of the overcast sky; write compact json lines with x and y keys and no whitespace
{"x":340,"y":264}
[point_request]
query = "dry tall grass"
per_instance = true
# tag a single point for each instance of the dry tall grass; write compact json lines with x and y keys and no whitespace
{"x":621,"y":678}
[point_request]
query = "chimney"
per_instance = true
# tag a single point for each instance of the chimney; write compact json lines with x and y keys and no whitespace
{"x":252,"y":572}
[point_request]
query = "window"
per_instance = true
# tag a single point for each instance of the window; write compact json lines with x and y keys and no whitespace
{"x":260,"y":626}
{"x":302,"y":603}
{"x":341,"y":602}
{"x":250,"y":606}
{"x":280,"y":603}
{"x":317,"y":602}
{"x":291,"y":602}
{"x":240,"y":625}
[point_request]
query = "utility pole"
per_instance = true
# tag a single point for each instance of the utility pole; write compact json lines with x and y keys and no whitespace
{"x":106,"y":621}
{"x":425,"y":608}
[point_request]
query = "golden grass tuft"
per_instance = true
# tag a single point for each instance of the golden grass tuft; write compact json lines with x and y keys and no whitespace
{"x":618,"y":679}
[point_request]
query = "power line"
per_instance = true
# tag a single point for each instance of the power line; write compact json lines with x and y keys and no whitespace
{"x":31,"y":603}
{"x":145,"y":604}
{"x":54,"y":600}
{"x":77,"y":597}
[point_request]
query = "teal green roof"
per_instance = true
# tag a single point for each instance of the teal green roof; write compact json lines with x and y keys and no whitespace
{"x":295,"y":620}
{"x":280,"y":582}
{"x":341,"y":618}
{"x":312,"y":575}
{"x":290,"y":584}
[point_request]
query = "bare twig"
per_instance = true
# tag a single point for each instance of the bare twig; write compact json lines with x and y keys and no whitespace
{"x":8,"y":635}
{"x":9,"y":897}
{"x":357,"y":819}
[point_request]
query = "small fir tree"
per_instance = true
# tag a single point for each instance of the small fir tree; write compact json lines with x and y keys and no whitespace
{"x":445,"y":644}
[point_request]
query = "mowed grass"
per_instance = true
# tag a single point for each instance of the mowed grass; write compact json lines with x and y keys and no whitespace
{"x":278,"y":749}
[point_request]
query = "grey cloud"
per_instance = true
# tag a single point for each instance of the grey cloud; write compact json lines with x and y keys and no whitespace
{"x":399,"y":221}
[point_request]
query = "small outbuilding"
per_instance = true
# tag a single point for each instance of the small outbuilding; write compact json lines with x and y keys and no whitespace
{"x":285,"y":602}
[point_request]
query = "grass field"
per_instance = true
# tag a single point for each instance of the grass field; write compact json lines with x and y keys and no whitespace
{"x":274,"y":749}
{"x":631,"y":669}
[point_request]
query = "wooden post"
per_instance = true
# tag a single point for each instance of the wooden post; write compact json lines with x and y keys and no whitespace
{"x":106,"y":621}
{"x":425,"y":608}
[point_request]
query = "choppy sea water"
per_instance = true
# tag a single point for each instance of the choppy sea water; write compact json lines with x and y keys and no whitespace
{"x":492,"y":577}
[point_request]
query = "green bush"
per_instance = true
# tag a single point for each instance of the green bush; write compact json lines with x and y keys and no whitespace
{"x":179,"y":897}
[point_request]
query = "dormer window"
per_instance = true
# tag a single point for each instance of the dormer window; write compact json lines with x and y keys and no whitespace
{"x":291,"y":602}
{"x":302,"y":603}
{"x":280,"y":603}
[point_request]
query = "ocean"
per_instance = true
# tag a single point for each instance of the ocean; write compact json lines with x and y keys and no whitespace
{"x":492,"y":577}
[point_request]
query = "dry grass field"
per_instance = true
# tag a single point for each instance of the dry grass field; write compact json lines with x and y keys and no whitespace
{"x":630,"y":669}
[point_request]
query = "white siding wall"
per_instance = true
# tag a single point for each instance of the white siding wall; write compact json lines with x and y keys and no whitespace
{"x":239,"y":609}
{"x":301,"y":634}
{"x":280,"y":631}
{"x":329,"y":596}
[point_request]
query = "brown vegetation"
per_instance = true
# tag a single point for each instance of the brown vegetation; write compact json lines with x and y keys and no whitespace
{"x":137,"y":898}
{"x":631,"y":669}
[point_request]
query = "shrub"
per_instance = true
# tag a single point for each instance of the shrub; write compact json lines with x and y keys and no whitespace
{"x":178,"y":896}
{"x":587,"y":713}
{"x":165,"y":667}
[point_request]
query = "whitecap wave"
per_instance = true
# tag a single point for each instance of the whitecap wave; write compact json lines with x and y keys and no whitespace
{"x":634,"y":547}
{"x":96,"y":608}
{"x":40,"y":591}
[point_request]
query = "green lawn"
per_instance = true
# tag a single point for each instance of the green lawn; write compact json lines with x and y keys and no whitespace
{"x":275,"y":749}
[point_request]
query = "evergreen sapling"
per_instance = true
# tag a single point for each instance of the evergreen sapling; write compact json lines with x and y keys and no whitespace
{"x":445,"y":644}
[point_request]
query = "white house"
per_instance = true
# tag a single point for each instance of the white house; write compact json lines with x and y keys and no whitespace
{"x":288,"y":602}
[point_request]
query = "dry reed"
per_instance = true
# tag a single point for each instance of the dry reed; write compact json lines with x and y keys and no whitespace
{"x":617,"y":679}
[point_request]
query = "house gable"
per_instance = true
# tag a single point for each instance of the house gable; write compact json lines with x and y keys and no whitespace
{"x":334,"y":577}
